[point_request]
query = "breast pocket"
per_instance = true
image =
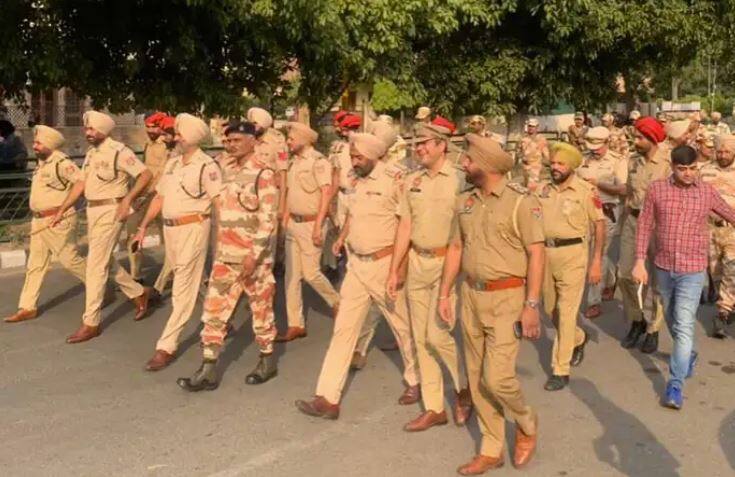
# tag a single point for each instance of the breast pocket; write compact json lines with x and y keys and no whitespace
{"x":307,"y":181}
{"x":574,"y":212}
{"x":105,"y":170}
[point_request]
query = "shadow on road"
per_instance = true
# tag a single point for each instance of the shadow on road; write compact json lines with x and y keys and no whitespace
{"x":61,"y":298}
{"x":626,"y":443}
{"x":727,"y":438}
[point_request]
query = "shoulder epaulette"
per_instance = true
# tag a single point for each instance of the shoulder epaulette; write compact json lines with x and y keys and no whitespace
{"x":518,"y":188}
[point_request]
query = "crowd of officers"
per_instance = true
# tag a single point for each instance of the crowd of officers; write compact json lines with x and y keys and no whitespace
{"x":424,"y":228}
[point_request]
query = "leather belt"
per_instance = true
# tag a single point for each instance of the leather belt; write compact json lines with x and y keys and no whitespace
{"x":372,"y":257}
{"x":101,"y":202}
{"x":185,"y":220}
{"x":495,"y":285}
{"x":42,"y":214}
{"x":430,"y":252}
{"x":561,"y":242}
{"x":634,"y":212}
{"x":302,"y":218}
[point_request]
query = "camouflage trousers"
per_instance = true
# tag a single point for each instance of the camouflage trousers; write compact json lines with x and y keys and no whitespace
{"x":722,"y":265}
{"x":223,"y":293}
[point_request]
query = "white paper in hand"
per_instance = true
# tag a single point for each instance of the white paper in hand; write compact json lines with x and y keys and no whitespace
{"x":640,"y":296}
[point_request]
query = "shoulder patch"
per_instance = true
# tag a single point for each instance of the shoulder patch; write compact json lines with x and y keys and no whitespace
{"x":518,"y":188}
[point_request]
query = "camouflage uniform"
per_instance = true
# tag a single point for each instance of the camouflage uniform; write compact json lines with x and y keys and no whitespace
{"x":533,"y":152}
{"x":247,"y":226}
{"x":576,"y":136}
{"x":722,"y":235}
{"x":618,"y":142}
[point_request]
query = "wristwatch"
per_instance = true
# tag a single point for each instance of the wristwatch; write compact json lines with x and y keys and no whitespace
{"x":531,"y":304}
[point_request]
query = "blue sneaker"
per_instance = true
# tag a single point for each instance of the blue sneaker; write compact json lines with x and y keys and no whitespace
{"x":692,"y":364}
{"x":674,"y":399}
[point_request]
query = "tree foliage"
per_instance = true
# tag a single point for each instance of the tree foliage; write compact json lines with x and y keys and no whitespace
{"x":461,"y":56}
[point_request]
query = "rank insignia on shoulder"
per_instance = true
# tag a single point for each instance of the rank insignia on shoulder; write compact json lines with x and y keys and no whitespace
{"x":518,"y":188}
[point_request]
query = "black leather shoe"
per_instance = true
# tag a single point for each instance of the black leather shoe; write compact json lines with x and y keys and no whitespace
{"x":650,"y":343}
{"x":718,"y":325}
{"x":264,"y":370}
{"x":556,"y":383}
{"x":637,"y":328}
{"x":204,"y":379}
{"x":578,"y":352}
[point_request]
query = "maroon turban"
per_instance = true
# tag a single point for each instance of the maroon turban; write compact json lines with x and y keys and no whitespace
{"x":445,"y":123}
{"x":350,"y":121}
{"x":651,"y":129}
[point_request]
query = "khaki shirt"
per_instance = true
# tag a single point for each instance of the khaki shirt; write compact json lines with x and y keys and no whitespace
{"x":274,"y":140}
{"x":107,"y":170}
{"x":642,"y":173}
{"x":496,"y":229}
{"x":189,"y":188}
{"x":721,"y":178}
{"x":51,"y":181}
{"x":155,"y":155}
{"x":609,"y":169}
{"x":308,"y":172}
{"x":430,"y":203}
{"x":372,"y":209}
{"x":569,"y":208}
{"x":339,"y":156}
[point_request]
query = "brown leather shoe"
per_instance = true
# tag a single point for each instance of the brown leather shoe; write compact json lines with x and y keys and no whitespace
{"x":426,"y":420}
{"x":318,"y":407}
{"x":481,"y":464}
{"x":141,"y":304}
{"x":358,"y":361}
{"x":21,"y":315}
{"x":462,"y":407}
{"x":84,"y":333}
{"x":292,"y":333}
{"x":525,"y":446}
{"x":411,"y":395}
{"x":592,"y":312}
{"x":160,"y":360}
{"x":608,"y":293}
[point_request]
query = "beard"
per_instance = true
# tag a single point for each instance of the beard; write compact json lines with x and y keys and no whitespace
{"x":476,"y":178}
{"x":364,"y":171}
{"x":559,"y":177}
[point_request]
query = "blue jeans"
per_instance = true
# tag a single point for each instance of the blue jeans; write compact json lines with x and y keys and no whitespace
{"x":680,"y":294}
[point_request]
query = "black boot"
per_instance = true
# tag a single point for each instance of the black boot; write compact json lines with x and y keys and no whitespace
{"x":204,"y":379}
{"x":650,"y":343}
{"x":718,"y":325}
{"x":578,"y":352}
{"x":556,"y":383}
{"x":264,"y":370}
{"x":637,"y":328}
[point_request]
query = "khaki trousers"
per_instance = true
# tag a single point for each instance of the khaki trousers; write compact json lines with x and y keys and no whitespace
{"x":594,"y":293}
{"x":364,"y":284}
{"x":136,"y":259}
{"x":564,"y":279}
{"x":186,"y":251}
{"x":629,"y":288}
{"x":491,"y":349}
{"x":722,"y":265}
{"x":302,"y":263}
{"x":433,"y":338}
{"x":58,"y":242}
{"x":103,"y":233}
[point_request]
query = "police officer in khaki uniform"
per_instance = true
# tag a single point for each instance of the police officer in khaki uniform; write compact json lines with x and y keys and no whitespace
{"x":155,"y":155}
{"x":717,"y":126}
{"x":187,"y":192}
{"x":571,"y":207}
{"x":104,"y":181}
{"x":426,"y":211}
{"x":705,"y":149}
{"x":533,"y":152}
{"x":309,"y":185}
{"x":650,"y":164}
{"x":273,"y":141}
{"x":368,"y":234}
{"x":721,"y":174}
{"x":54,"y":176}
{"x":498,"y":242}
{"x":606,"y":171}
{"x":577,"y":131}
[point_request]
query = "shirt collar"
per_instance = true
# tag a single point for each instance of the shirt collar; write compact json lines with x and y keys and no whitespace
{"x":377,"y":170}
{"x":672,"y":182}
{"x":445,"y":170}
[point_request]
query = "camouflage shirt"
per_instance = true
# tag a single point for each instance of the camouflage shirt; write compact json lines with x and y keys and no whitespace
{"x":247,"y":214}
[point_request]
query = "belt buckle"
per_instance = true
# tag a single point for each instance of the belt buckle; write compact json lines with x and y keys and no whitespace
{"x":478,"y":285}
{"x":550,"y":242}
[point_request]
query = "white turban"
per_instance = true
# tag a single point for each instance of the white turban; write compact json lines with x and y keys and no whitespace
{"x":677,"y":129}
{"x":99,"y":121}
{"x":368,"y":145}
{"x":261,"y":117}
{"x":192,"y":129}
{"x":384,"y":132}
{"x":49,"y":137}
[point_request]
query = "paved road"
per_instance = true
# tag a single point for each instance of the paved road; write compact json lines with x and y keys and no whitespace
{"x":91,"y":410}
